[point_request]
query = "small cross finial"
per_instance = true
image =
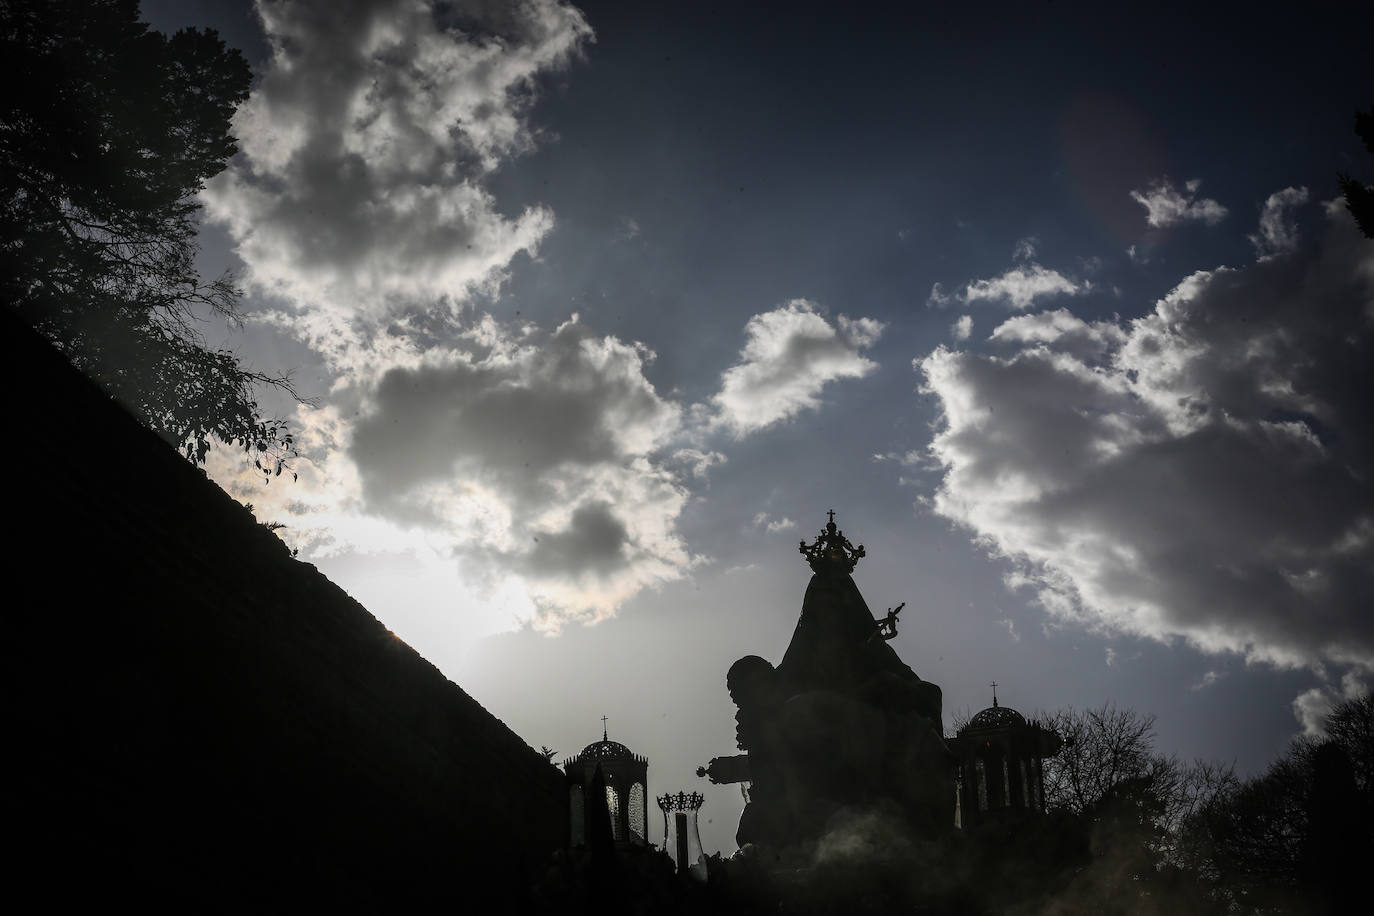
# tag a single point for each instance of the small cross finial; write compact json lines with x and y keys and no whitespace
{"x":603,"y":729}
{"x":831,"y":513}
{"x":994,"y":693}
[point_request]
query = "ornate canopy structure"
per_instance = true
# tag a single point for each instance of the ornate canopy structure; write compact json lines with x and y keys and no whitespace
{"x":622,"y":777}
{"x":999,"y":772}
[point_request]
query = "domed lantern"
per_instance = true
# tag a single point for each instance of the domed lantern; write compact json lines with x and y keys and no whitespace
{"x":625,"y":776}
{"x":999,"y":770}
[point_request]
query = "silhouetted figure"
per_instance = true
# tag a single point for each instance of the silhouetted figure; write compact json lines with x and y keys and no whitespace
{"x":886,"y":626}
{"x":841,"y":726}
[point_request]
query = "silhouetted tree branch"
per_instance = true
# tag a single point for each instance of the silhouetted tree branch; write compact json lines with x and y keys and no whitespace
{"x":1359,"y":199}
{"x":1298,"y":837}
{"x":1140,"y":803}
{"x":107,"y":133}
{"x":1103,"y":747}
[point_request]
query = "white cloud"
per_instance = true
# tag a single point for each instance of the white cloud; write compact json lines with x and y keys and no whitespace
{"x":938,"y":298}
{"x":698,"y":461}
{"x":1019,"y":287}
{"x":532,"y":461}
{"x":773,"y":525}
{"x":1310,"y":708}
{"x":1278,"y":233}
{"x":1313,"y":707}
{"x":791,"y":353}
{"x":1207,"y":680}
{"x":365,"y":145}
{"x":1061,"y":328}
{"x":962,"y":328}
{"x":1200,"y":472}
{"x":1167,"y":206}
{"x":320,"y":507}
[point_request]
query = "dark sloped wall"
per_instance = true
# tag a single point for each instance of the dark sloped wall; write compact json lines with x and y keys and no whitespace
{"x":201,"y":721}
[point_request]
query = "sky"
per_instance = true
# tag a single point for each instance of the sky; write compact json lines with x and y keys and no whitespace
{"x":601,"y":307}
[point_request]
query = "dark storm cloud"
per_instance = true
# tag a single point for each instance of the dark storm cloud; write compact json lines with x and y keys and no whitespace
{"x":1202,"y":471}
{"x":515,"y":417}
{"x":593,"y":541}
{"x":423,"y":420}
{"x":538,"y":456}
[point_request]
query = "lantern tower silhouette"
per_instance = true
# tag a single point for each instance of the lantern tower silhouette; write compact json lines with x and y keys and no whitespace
{"x":625,"y":775}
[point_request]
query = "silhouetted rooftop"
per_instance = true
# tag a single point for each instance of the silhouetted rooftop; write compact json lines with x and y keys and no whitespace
{"x":994,"y":717}
{"x":606,"y":750}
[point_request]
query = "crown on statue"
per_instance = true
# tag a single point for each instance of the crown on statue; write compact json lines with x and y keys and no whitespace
{"x":832,"y":550}
{"x":682,"y":801}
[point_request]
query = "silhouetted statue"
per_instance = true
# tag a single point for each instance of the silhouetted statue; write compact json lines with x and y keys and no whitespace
{"x":841,"y":724}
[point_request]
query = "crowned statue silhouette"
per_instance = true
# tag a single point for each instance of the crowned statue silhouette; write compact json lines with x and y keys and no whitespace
{"x":841,"y":727}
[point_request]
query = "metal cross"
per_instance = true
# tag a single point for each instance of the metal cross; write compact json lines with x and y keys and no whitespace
{"x":994,"y":693}
{"x":603,"y":728}
{"x":831,"y":513}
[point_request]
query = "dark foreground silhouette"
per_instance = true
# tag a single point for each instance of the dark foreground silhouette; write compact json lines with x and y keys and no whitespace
{"x":201,"y":721}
